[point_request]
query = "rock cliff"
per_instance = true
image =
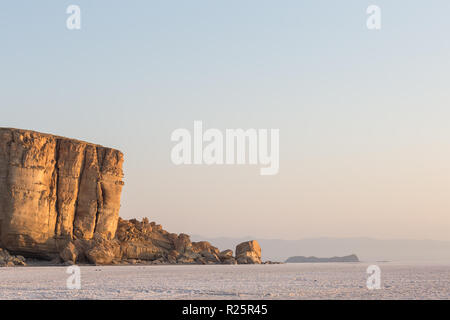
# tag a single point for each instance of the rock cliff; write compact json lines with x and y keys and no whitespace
{"x":54,"y":190}
{"x":60,"y":200}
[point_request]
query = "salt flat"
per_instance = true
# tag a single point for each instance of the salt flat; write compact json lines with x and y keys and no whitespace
{"x":287,"y":281}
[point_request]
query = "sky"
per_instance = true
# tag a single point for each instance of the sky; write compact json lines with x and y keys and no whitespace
{"x":363,"y":114}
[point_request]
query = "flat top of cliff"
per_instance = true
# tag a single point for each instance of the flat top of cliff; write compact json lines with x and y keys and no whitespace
{"x":49,"y":135}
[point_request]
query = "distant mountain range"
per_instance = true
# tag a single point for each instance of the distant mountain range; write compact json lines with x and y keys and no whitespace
{"x":367,"y":249}
{"x":301,"y":259}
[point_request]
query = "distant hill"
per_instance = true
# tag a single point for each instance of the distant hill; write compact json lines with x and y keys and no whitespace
{"x":300,"y":259}
{"x":367,"y":249}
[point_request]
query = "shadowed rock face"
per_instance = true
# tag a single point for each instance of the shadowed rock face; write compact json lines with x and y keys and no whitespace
{"x":54,"y":189}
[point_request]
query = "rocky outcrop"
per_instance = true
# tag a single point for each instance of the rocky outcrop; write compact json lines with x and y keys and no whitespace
{"x":55,"y":190}
{"x":60,"y":198}
{"x":248,"y":253}
{"x":144,"y":242}
{"x":7,"y":260}
{"x":148,"y":241}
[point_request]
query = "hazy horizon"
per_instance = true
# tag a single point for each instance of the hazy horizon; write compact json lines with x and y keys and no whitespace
{"x":367,"y":249}
{"x":363,"y":115}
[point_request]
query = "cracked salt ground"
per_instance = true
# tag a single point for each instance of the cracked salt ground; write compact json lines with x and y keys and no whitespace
{"x":288,"y":281}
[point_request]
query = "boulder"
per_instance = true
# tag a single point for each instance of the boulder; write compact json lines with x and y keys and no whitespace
{"x":248,"y":253}
{"x":226,"y":257}
{"x":8,"y":260}
{"x":103,"y":251}
{"x":226,"y":254}
{"x":100,"y":255}
{"x":69,"y":253}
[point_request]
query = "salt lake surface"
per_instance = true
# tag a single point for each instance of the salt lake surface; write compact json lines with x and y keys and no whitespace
{"x":286,"y":281}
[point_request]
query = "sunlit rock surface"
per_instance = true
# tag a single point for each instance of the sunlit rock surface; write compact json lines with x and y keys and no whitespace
{"x":54,"y":190}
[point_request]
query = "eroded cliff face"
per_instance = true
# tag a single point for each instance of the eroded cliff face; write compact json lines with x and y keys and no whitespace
{"x":54,"y":189}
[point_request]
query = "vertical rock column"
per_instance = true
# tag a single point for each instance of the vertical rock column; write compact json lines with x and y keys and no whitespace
{"x":110,"y":189}
{"x":99,"y":195}
{"x":69,"y":164}
{"x":5,"y":139}
{"x":29,"y":192}
{"x":89,"y":198}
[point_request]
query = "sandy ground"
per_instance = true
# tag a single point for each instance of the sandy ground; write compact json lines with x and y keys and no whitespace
{"x":288,"y":281}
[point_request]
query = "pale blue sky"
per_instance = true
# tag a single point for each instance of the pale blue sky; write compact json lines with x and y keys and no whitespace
{"x":363,"y":115}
